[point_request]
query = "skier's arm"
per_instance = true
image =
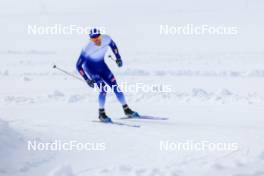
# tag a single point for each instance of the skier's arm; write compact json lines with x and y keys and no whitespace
{"x":81,"y":71}
{"x":115,"y":51}
{"x":80,"y":68}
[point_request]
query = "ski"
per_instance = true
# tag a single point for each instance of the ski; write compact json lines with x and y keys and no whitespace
{"x":117,"y":123}
{"x":145,"y":118}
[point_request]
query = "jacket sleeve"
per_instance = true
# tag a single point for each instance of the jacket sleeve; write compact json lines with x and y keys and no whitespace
{"x":80,"y":68}
{"x":114,"y":49}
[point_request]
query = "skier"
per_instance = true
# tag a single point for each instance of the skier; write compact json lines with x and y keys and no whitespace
{"x":93,"y":69}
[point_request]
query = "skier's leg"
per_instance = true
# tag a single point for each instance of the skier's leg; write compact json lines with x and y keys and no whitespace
{"x":101,"y":86}
{"x":102,"y":95}
{"x":119,"y":94}
{"x":111,"y":81}
{"x":101,"y":98}
{"x":94,"y":75}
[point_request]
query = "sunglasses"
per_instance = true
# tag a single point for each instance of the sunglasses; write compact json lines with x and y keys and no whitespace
{"x":96,"y":38}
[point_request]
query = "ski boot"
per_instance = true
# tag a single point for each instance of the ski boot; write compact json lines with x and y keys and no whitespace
{"x":129,"y":113}
{"x":103,"y":117}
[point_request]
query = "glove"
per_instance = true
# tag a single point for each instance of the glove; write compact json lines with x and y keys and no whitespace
{"x":90,"y":83}
{"x":119,"y":62}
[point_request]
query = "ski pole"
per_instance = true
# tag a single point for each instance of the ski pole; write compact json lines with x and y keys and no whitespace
{"x":72,"y":75}
{"x":67,"y":73}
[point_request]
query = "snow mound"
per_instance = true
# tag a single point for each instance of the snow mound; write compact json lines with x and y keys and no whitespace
{"x":56,"y":94}
{"x":200,"y":94}
{"x":64,"y":170}
{"x":10,"y":139}
{"x":26,"y":79}
{"x":6,"y":73}
{"x":195,"y":95}
{"x":10,"y":142}
{"x":196,"y":73}
{"x":15,"y":158}
{"x":75,"y":98}
{"x":18,"y":100}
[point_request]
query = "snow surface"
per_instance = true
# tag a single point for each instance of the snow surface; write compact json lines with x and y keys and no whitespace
{"x":217,"y":90}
